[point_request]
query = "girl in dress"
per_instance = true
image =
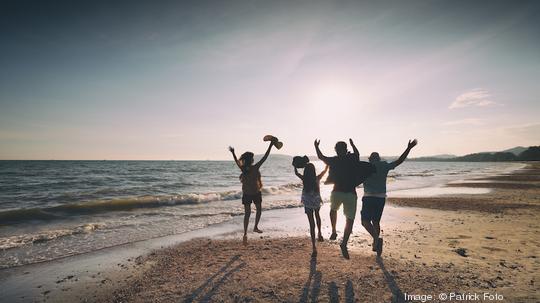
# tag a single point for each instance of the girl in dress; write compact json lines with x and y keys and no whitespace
{"x":311,"y":198}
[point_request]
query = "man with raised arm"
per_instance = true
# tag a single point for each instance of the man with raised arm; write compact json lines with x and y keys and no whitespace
{"x":343,"y":175}
{"x":375,"y":195}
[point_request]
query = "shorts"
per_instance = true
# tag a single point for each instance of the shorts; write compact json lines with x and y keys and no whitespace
{"x":347,"y":199}
{"x":308,"y":210}
{"x":255,"y":198}
{"x":372,"y":208}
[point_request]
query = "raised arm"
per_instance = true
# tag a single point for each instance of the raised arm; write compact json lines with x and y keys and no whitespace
{"x":231,"y":149}
{"x":403,"y":156}
{"x":355,"y":150}
{"x":323,"y":172}
{"x":298,"y":174}
{"x":319,"y":153}
{"x":265,"y":155}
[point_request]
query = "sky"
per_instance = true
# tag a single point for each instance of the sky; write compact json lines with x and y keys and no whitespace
{"x":172,"y":80}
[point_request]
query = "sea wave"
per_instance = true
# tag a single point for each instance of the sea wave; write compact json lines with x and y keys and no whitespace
{"x":282,"y":189}
{"x":41,"y":237}
{"x":126,"y":204}
{"x":420,"y":174}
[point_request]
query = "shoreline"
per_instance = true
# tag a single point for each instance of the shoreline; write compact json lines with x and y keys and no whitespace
{"x":95,"y":276}
{"x":73,"y":233}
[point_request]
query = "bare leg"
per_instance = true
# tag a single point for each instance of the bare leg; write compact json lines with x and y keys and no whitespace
{"x":373,"y":231}
{"x":247,"y":214}
{"x":333,"y":220}
{"x":318,"y":219}
{"x":376,"y":237}
{"x":376,"y":229}
{"x":257,"y":217}
{"x":346,"y":233}
{"x":312,"y":231}
{"x":348,"y":230}
{"x":370,"y":228}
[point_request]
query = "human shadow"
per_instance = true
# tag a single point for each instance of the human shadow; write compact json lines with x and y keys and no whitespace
{"x":225,"y":270}
{"x":313,"y":285}
{"x":212,"y":291}
{"x":333,"y":292}
{"x":397,"y":294}
{"x":315,"y":276}
{"x":349,"y":292}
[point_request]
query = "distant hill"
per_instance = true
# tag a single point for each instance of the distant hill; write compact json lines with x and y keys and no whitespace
{"x":487,"y":157}
{"x":531,"y":153}
{"x":516,"y":150}
{"x":444,"y":156}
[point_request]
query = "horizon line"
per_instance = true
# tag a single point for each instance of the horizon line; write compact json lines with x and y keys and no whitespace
{"x":273,"y":154}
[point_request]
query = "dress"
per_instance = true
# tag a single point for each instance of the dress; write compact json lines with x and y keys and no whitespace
{"x":311,"y":200}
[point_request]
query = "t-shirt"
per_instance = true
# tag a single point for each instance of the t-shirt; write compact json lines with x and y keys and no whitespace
{"x":343,"y":172}
{"x":375,"y":185}
{"x":251,"y":181}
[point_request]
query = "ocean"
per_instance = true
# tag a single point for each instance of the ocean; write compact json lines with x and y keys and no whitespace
{"x":54,"y":209}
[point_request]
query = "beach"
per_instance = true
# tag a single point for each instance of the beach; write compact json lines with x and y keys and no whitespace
{"x":460,"y":243}
{"x":182,"y":151}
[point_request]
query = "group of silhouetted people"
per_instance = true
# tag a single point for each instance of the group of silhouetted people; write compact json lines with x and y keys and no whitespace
{"x":345,"y":172}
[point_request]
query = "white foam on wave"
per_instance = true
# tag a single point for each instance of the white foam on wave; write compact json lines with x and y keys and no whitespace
{"x":282,"y":189}
{"x":45,"y":236}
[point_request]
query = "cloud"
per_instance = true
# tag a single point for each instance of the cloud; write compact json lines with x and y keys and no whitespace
{"x":478,"y":97}
{"x":469,"y":121}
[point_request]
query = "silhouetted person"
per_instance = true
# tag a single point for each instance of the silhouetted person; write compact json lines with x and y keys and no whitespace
{"x":375,"y":195}
{"x":311,"y":198}
{"x":343,"y":175}
{"x":251,"y":186}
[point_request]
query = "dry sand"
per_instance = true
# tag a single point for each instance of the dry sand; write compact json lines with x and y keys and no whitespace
{"x":276,"y":270}
{"x":473,"y":244}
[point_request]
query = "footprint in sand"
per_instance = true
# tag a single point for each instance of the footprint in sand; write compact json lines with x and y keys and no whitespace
{"x":453,"y":243}
{"x":492,"y":249}
{"x":459,"y":237}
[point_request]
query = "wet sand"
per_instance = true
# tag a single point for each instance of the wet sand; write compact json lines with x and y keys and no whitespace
{"x":472,"y":244}
{"x":519,"y":190}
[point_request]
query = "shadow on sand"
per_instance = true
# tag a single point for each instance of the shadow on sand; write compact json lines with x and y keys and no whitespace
{"x":226,"y":271}
{"x":397,"y":294}
{"x":310,"y":291}
{"x":315,"y":276}
{"x":313,"y":285}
